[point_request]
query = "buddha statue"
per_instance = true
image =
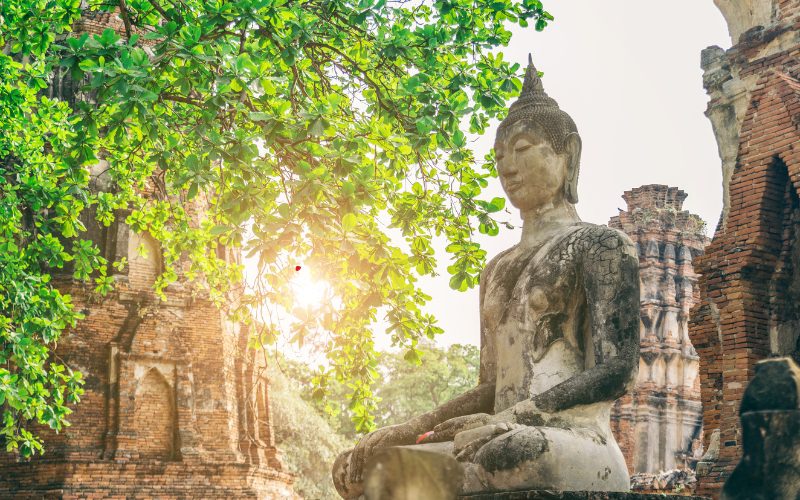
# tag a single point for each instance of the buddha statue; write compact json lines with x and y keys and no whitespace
{"x":559,"y":324}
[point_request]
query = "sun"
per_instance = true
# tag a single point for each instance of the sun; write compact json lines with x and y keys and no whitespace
{"x":307,"y":291}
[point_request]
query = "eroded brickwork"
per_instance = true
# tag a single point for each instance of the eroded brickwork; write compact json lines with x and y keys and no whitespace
{"x":749,"y":276}
{"x":658,"y":423}
{"x":176,"y":404}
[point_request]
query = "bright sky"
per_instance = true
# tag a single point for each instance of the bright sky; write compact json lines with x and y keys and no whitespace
{"x":628,"y":72}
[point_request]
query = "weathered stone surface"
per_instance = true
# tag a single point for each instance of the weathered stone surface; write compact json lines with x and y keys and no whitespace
{"x":743,"y":15}
{"x":775,"y":386}
{"x":575,"y":495}
{"x":658,"y":423}
{"x":770,"y":411}
{"x":750,"y":274}
{"x":707,"y":461}
{"x":559,"y":333}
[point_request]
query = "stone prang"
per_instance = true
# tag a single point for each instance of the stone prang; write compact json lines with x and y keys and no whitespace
{"x":658,"y":424}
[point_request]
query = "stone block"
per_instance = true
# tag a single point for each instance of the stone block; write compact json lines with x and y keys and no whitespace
{"x":770,"y":466}
{"x":405,"y":473}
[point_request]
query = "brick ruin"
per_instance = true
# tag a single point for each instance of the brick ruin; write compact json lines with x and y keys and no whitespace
{"x":658,"y":423}
{"x":176,"y":405}
{"x":750,"y":279}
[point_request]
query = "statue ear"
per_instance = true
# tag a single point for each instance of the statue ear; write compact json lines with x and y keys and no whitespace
{"x":573,"y":149}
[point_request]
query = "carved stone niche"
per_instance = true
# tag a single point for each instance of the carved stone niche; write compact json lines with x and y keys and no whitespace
{"x":150,"y":410}
{"x":256,"y":439}
{"x":260,"y":440}
{"x":150,"y":405}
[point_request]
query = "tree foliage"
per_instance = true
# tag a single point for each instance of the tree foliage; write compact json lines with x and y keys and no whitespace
{"x":311,"y":433}
{"x":305,"y":132}
{"x":405,"y":390}
{"x":402,"y":391}
{"x":307,"y":442}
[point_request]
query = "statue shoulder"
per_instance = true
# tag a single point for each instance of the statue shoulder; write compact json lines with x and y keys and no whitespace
{"x":596,"y":241}
{"x":487,"y":270}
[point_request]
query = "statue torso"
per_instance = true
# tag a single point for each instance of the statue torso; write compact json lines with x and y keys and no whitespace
{"x":534,"y":316}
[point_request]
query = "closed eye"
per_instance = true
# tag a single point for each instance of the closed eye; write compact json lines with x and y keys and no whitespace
{"x":522,"y":148}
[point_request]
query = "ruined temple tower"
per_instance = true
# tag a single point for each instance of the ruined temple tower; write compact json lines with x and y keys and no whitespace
{"x":176,"y":405}
{"x":658,"y":422}
{"x":750,"y":279}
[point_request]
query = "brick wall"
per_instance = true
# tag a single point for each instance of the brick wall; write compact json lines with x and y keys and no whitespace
{"x":750,"y":270}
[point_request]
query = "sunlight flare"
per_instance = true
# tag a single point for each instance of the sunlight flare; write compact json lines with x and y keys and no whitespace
{"x":307,"y":291}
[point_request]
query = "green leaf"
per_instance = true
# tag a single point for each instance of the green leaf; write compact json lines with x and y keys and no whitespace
{"x":349,"y":221}
{"x":496,"y":205}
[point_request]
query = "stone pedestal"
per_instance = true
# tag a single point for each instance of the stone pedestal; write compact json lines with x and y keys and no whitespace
{"x":408,"y":473}
{"x":574,"y":495}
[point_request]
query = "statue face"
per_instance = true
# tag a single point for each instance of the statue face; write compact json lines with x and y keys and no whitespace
{"x":531,"y":172}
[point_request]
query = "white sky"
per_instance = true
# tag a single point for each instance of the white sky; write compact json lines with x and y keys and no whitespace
{"x":628,"y":72}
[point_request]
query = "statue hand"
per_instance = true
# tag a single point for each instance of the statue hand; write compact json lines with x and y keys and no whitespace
{"x":393,"y":435}
{"x":447,"y":430}
{"x":467,"y":443}
{"x":525,"y":413}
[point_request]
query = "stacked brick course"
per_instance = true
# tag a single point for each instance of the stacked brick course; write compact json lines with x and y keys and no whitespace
{"x":750,"y":279}
{"x":175,"y":406}
{"x":658,"y":423}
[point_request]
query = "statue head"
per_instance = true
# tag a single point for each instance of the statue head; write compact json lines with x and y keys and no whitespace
{"x":538,"y":149}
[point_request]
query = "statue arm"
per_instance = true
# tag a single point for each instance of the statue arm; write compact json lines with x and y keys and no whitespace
{"x":481,"y":398}
{"x":610,"y":276}
{"x":477,"y":400}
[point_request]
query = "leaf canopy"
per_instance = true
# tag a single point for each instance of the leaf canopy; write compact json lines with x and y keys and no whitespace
{"x":324,"y":133}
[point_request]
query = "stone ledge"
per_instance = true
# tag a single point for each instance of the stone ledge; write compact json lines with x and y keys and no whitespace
{"x":573,"y":495}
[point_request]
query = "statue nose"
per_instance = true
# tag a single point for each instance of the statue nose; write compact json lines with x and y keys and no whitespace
{"x":507,"y":168}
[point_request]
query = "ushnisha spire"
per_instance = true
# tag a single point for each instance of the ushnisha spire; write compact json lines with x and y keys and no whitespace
{"x":532,"y":87}
{"x":535,"y":106}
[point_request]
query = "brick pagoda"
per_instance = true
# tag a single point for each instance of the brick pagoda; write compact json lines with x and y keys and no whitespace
{"x":750,"y":283}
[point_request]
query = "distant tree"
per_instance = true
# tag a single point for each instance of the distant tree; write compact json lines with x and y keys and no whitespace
{"x":407,"y":390}
{"x":305,"y":438}
{"x":304,"y":130}
{"x":403,"y":390}
{"x":311,"y":432}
